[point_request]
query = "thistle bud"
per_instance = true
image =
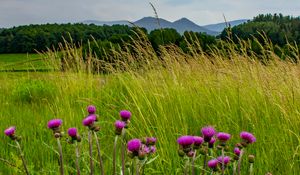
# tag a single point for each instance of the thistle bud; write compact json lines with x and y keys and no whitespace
{"x":181,"y":153}
{"x":251,"y":158}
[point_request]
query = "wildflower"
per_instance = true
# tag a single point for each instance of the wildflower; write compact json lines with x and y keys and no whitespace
{"x":237,"y":151}
{"x":55,"y":123}
{"x":151,"y":140}
{"x":191,"y":153}
{"x":213,"y":164}
{"x":119,"y":125}
{"x":10,"y":131}
{"x":89,"y":120}
{"x":185,"y":141}
{"x":208,"y":132}
{"x":125,"y":115}
{"x":152,"y":149}
{"x":134,"y":145}
{"x":223,"y":137}
{"x":247,"y":137}
{"x":91,"y":109}
{"x":198,"y":140}
{"x":211,"y":142}
{"x":226,"y":159}
{"x":72,"y":132}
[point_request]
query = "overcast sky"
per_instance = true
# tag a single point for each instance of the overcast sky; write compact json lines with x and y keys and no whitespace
{"x":20,"y":12}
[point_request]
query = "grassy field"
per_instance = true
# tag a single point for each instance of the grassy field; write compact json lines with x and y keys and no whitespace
{"x":175,"y":97}
{"x":22,"y":62}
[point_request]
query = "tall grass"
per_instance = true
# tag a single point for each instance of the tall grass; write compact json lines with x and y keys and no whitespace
{"x":171,"y":95}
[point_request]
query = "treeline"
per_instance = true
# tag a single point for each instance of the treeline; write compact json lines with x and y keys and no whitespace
{"x":32,"y":38}
{"x":277,"y":28}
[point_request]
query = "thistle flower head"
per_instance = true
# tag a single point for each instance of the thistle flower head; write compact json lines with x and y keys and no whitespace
{"x":125,"y":115}
{"x":120,"y":124}
{"x":237,"y":151}
{"x":134,"y":145}
{"x":72,"y":132}
{"x":223,"y":137}
{"x":151,"y":140}
{"x":89,"y":120}
{"x":191,"y":153}
{"x":91,"y":109}
{"x":208,"y":132}
{"x":248,"y":137}
{"x":54,"y":123}
{"x":198,"y":140}
{"x":10,"y":131}
{"x":211,"y":142}
{"x":152,"y":149}
{"x":185,"y":140}
{"x":226,"y":159}
{"x":213,"y":163}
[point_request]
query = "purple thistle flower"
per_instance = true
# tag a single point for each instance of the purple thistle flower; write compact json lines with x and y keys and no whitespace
{"x":198,"y":140}
{"x":146,"y":149}
{"x":237,"y":151}
{"x":226,"y":159}
{"x":191,"y":153}
{"x":119,"y":124}
{"x":125,"y":115}
{"x":223,"y":137}
{"x":94,"y":116}
{"x":212,"y":163}
{"x":208,"y":132}
{"x":151,"y":140}
{"x":55,"y":123}
{"x":72,"y":132}
{"x":91,"y":109}
{"x":89,"y":120}
{"x":10,"y":131}
{"x":185,"y":140}
{"x":134,"y":145}
{"x":248,"y":137}
{"x":152,"y":149}
{"x":211,"y":142}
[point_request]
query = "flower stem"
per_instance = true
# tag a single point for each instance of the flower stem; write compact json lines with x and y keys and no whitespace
{"x":91,"y":153}
{"x":114,"y":155}
{"x":240,"y":162}
{"x":123,"y":151}
{"x":223,"y":164}
{"x":60,"y":157}
{"x":186,"y":167}
{"x":193,"y":163}
{"x":99,"y":154}
{"x":137,"y":167}
{"x":77,"y":158}
{"x":251,"y":169}
{"x":234,"y":168}
{"x":22,"y":157}
{"x":204,"y":164}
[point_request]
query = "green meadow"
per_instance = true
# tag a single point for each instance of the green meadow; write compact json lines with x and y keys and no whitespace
{"x":22,"y":62}
{"x":168,"y":97}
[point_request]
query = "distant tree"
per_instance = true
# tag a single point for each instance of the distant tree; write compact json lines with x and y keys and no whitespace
{"x":160,"y":37}
{"x":196,"y":40}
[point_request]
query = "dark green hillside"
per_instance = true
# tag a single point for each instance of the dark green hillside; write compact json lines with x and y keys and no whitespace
{"x":278,"y":28}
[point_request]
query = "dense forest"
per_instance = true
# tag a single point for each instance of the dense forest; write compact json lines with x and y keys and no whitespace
{"x":278,"y":28}
{"x":27,"y":39}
